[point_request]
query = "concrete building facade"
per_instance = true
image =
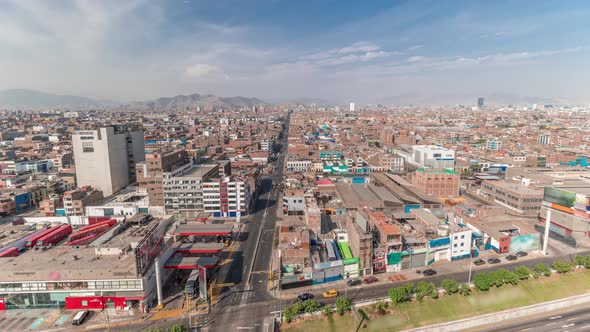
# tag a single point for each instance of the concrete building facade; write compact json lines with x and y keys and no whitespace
{"x":106,"y":158}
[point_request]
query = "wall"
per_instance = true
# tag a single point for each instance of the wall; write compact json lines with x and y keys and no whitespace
{"x":525,"y":242}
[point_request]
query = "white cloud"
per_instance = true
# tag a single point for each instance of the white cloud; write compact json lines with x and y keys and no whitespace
{"x":415,"y":47}
{"x":200,"y":70}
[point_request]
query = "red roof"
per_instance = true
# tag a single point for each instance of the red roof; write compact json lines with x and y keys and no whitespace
{"x":325,"y":182}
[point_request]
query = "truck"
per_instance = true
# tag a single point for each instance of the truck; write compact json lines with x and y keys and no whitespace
{"x":55,"y":236}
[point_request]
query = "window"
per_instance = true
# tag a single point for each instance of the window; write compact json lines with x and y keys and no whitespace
{"x":455,"y":245}
{"x":462,"y":236}
{"x":87,"y":147}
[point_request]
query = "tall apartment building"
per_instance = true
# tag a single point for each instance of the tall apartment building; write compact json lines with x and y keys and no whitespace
{"x":191,"y":189}
{"x":150,"y":173}
{"x":266,"y":145}
{"x":493,"y":145}
{"x":105,"y":158}
{"x":360,"y":240}
{"x":433,"y":157}
{"x":513,"y":196}
{"x":544,"y":139}
{"x":437,"y":183}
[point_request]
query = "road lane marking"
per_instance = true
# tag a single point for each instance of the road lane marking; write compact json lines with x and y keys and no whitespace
{"x":555,"y":317}
{"x":549,"y":324}
{"x":528,"y":328}
{"x":585,"y":327}
{"x":568,"y":325}
{"x":567,"y":320}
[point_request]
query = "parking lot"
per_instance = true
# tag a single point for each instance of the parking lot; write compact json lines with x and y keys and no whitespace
{"x":38,"y":319}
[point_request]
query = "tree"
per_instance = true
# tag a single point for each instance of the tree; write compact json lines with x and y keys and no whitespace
{"x":482,"y":281}
{"x":496,"y":278}
{"x":327,"y":311}
{"x":583,"y":261}
{"x":425,"y":289}
{"x":177,"y":328}
{"x":464,"y":289}
{"x":451,"y":286}
{"x":409,"y":289}
{"x":561,"y":266}
{"x":541,"y":270}
{"x":380,"y":305}
{"x":522,"y":272}
{"x":398,"y":295}
{"x":510,"y":278}
{"x":342,"y":304}
{"x":310,"y":306}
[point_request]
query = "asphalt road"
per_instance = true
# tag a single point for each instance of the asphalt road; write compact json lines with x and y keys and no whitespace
{"x":574,"y":320}
{"x":247,"y":306}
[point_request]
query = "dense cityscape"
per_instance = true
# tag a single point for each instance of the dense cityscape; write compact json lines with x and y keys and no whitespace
{"x":418,"y":166}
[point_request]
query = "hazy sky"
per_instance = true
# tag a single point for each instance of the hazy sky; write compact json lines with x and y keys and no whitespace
{"x":363,"y":51}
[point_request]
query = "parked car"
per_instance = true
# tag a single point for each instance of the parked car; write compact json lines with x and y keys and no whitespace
{"x":429,"y":272}
{"x":330,"y":294}
{"x":353,"y":282}
{"x":493,"y":260}
{"x":305,"y":297}
{"x":521,"y":254}
{"x":370,"y":280}
{"x":511,"y":258}
{"x":479,"y":262}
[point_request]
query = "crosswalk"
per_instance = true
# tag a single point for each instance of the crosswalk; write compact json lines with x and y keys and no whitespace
{"x":18,"y":323}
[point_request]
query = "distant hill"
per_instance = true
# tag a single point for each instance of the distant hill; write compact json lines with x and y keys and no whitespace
{"x":24,"y":99}
{"x":193,"y":101}
{"x":29,"y":99}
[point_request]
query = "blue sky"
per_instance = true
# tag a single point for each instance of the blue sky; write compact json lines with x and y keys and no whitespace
{"x":364,"y":51}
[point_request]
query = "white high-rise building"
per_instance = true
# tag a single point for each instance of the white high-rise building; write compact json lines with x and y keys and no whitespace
{"x":352,"y":107}
{"x":105,"y":158}
{"x":544,"y":139}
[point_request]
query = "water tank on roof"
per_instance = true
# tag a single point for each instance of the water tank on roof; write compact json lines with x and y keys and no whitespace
{"x":442,"y":230}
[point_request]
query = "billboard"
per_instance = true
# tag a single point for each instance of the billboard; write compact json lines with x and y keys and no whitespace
{"x":559,"y":197}
{"x":150,"y":246}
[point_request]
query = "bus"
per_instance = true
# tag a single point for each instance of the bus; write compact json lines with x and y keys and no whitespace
{"x":80,"y":317}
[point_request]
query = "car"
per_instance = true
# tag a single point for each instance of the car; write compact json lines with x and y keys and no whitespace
{"x":304,"y":297}
{"x":511,"y":258}
{"x":429,"y":272}
{"x":521,"y":254}
{"x":353,"y":282}
{"x":493,"y":260}
{"x":479,"y":262}
{"x":370,"y":280}
{"x":330,"y":294}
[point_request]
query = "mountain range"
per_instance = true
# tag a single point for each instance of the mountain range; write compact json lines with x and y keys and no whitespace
{"x":24,"y":99}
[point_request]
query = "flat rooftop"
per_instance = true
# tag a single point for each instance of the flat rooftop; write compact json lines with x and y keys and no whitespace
{"x":202,"y":229}
{"x":190,"y":263}
{"x":199,"y":247}
{"x":200,"y":169}
{"x":66,"y":263}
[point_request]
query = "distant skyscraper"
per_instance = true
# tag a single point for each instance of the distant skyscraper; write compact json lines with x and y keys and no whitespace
{"x":352,"y":107}
{"x":480,"y":102}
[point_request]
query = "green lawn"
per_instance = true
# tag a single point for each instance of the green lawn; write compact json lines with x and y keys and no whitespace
{"x":447,"y":308}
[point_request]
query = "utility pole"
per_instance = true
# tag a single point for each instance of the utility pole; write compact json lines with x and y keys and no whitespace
{"x":546,"y":237}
